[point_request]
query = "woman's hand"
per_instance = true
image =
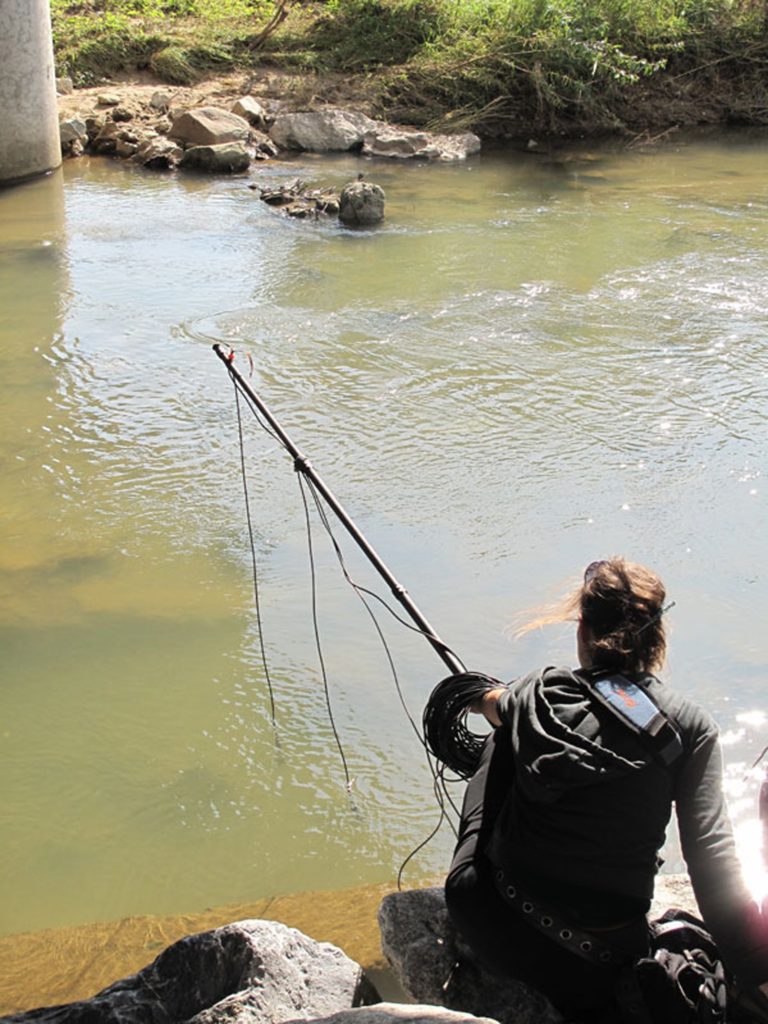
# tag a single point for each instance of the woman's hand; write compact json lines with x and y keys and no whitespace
{"x":487,"y":705}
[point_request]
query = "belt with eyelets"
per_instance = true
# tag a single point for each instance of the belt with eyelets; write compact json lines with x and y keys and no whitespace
{"x":576,"y":940}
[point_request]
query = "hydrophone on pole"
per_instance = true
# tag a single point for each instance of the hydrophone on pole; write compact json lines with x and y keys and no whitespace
{"x":302,"y":465}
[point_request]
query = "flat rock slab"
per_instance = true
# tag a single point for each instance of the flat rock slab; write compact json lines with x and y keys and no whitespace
{"x":397,"y":143}
{"x":251,"y":972}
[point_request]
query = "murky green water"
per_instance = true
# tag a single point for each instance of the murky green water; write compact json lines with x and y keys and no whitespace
{"x":534,"y":363}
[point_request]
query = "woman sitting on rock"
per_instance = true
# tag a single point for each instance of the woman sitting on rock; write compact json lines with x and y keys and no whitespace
{"x":563,"y":821}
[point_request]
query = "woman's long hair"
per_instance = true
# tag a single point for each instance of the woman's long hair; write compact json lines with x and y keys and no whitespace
{"x":620,"y":606}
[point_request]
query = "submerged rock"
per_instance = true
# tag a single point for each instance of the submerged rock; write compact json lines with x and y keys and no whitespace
{"x":361,"y":204}
{"x":251,"y":971}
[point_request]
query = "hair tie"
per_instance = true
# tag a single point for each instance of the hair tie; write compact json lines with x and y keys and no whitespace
{"x":659,"y":613}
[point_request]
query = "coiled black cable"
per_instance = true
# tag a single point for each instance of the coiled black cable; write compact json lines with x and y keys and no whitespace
{"x":445,"y":721}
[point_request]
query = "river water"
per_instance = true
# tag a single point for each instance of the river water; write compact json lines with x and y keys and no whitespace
{"x":538,"y":360}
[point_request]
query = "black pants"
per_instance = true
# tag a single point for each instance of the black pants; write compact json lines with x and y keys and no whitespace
{"x":502,"y":941}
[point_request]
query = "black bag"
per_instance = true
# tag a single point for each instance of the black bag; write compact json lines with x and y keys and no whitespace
{"x":681,"y":981}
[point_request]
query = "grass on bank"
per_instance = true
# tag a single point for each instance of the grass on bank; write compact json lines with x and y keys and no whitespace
{"x":453,"y":62}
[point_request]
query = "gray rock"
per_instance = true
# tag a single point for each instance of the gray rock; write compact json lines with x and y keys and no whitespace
{"x":428,"y":959}
{"x":160,"y":101}
{"x":226,"y":158}
{"x":93,"y":125}
{"x":125,"y":148}
{"x":251,"y":972}
{"x":65,"y":86}
{"x":106,"y":140}
{"x":162,"y":125}
{"x":107,"y":99}
{"x":388,"y":141}
{"x":158,"y":154}
{"x":72,"y":130}
{"x":250,"y":110}
{"x":209,"y":126}
{"x":361,"y":204}
{"x":263,"y":146}
{"x":426,"y":956}
{"x":400,"y":1013}
{"x":121,"y":113}
{"x":321,"y":131}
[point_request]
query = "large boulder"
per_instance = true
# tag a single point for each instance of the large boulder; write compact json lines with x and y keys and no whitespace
{"x":361,"y":204}
{"x":251,"y":972}
{"x":209,"y":126}
{"x":429,"y":960}
{"x":430,"y":963}
{"x":227,"y":158}
{"x":389,"y":141}
{"x":321,"y":131}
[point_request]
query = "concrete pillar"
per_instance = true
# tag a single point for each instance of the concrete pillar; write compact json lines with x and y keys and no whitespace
{"x":29,"y":123}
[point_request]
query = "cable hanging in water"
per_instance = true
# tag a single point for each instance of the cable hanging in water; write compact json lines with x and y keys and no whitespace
{"x":254,"y":566}
{"x":444,"y":735}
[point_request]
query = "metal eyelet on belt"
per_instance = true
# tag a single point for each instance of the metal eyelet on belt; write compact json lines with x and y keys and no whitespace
{"x":547,"y":922}
{"x":605,"y":956}
{"x":585,"y":946}
{"x":527,"y":908}
{"x":499,"y":876}
{"x":566,"y":934}
{"x":511,"y":892}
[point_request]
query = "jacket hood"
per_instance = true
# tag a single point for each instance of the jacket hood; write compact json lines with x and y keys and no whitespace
{"x":563,"y":739}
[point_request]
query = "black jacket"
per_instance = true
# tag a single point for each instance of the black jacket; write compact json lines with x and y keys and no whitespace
{"x":589,"y":804}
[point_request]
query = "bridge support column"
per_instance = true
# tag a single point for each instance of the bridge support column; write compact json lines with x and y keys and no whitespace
{"x":29,"y":123}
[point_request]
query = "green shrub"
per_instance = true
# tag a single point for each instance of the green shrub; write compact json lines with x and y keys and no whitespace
{"x":368,"y":33}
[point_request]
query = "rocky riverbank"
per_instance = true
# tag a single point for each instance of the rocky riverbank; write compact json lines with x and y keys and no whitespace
{"x":229,"y":131}
{"x":262,"y":972}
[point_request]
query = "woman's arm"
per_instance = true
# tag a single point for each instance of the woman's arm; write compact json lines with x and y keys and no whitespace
{"x":488,"y":705}
{"x":707,"y":843}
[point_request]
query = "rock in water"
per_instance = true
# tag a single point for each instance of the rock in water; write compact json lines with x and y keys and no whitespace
{"x":227,"y":158}
{"x":427,"y":958}
{"x":321,"y":131}
{"x":390,"y":141}
{"x":251,"y":971}
{"x":361,"y":204}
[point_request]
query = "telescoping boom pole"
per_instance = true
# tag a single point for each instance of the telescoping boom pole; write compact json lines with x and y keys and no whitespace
{"x":303,"y":465}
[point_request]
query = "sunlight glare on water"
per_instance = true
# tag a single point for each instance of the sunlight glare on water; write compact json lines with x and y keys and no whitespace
{"x":536,"y":361}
